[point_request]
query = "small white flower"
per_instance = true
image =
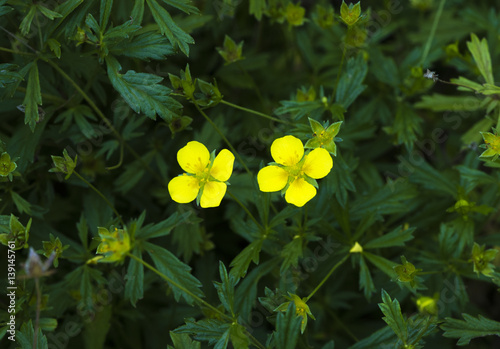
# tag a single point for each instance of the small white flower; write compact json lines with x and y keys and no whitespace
{"x":431,"y":75}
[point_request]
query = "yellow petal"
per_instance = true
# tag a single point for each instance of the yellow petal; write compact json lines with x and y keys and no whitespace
{"x":272,"y":178}
{"x":299,"y":192}
{"x":194,"y":157}
{"x":287,"y":150}
{"x":223,"y":165}
{"x":318,"y":163}
{"x":184,"y":189}
{"x":213,"y":192}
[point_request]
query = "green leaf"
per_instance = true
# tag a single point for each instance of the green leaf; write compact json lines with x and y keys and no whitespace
{"x":291,"y":254}
{"x":313,"y":109}
{"x":22,"y":205}
{"x":257,"y":8}
{"x":377,"y":339}
{"x":210,"y":330}
{"x":225,"y":289}
{"x":134,"y":286}
{"x":181,"y":281}
{"x":381,"y":263}
{"x":55,"y":47}
{"x":183,"y":5}
{"x":467,"y":84}
{"x":8,"y":75}
{"x":339,"y":180}
{"x":26,"y":336}
{"x":470,"y":328}
{"x":287,"y":328}
{"x":239,"y":265}
{"x":48,"y":13}
{"x":104,"y":13}
{"x":190,"y":237}
{"x":406,"y":126}
{"x":96,"y":331}
{"x":79,"y":114}
{"x":4,"y":9}
{"x":176,"y":36}
{"x":438,"y":102}
{"x":138,"y":11}
{"x":481,"y":54}
{"x":142,"y":92}
{"x":393,"y":316}
{"x":145,"y":46}
{"x":33,"y":98}
{"x":430,"y":178}
{"x":239,"y":338}
{"x":365,"y":279}
{"x":163,"y":228}
{"x":350,"y":84}
{"x":397,"y":237}
{"x":26,"y":23}
{"x":183,"y":341}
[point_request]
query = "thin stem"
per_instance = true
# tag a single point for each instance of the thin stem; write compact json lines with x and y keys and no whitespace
{"x":250,"y":215}
{"x":222,"y":136}
{"x":120,"y":161}
{"x":16,"y":52}
{"x":255,"y":112}
{"x":105,"y":119}
{"x":433,"y":32}
{"x":101,"y":195}
{"x":339,"y":263}
{"x":173,"y":283}
{"x":38,"y":306}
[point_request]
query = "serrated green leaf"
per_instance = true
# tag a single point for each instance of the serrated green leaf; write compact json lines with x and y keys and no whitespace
{"x":4,"y":9}
{"x":225,"y":289}
{"x":430,"y":178}
{"x":381,"y":263}
{"x":55,"y":47}
{"x":470,"y":328}
{"x":257,"y":8}
{"x":241,"y":262}
{"x":104,"y":13}
{"x":406,"y":126}
{"x":291,"y":254}
{"x":163,"y":228}
{"x":239,"y":338}
{"x":183,"y":5}
{"x":134,"y":286}
{"x":350,"y":84}
{"x":210,"y":330}
{"x":28,"y":19}
{"x":22,"y":205}
{"x":145,"y":46}
{"x":179,"y":273}
{"x":176,"y":36}
{"x":377,"y":339}
{"x":481,"y":54}
{"x":287,"y":328}
{"x":339,"y":181}
{"x":313,"y":109}
{"x":48,"y":13}
{"x":397,"y":237}
{"x":466,"y":83}
{"x":473,"y":133}
{"x":26,"y":336}
{"x":365,"y":279}
{"x":142,"y":92}
{"x":33,"y":98}
{"x":438,"y":102}
{"x":8,"y":75}
{"x":183,"y":341}
{"x":393,"y":316}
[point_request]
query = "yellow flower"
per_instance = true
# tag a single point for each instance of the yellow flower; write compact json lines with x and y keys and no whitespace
{"x":205,"y":178}
{"x":301,"y":309}
{"x":113,"y":247}
{"x":294,"y":173}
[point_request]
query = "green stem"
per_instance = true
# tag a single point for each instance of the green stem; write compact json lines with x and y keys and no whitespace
{"x":37,"y":319}
{"x":175,"y":284}
{"x":120,"y":161}
{"x":106,"y":121}
{"x":339,"y":263}
{"x":222,"y":136}
{"x":498,"y":122}
{"x":250,"y":215}
{"x":255,"y":112}
{"x":433,"y":32}
{"x":101,"y":195}
{"x":16,"y":52}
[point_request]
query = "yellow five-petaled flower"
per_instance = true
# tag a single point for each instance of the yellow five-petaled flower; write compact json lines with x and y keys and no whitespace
{"x":294,"y":172}
{"x":205,"y":178}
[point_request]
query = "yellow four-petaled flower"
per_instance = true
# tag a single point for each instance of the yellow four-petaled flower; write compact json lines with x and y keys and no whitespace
{"x":294,"y":172}
{"x":205,"y":176}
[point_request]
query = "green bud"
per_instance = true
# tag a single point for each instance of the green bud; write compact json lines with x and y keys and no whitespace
{"x":350,"y":14}
{"x":481,"y":259}
{"x":230,"y":51}
{"x":294,"y":14}
{"x":324,"y":17}
{"x":64,"y":164}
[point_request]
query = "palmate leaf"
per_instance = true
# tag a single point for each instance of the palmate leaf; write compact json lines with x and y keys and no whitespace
{"x":481,"y":54}
{"x":257,"y":8}
{"x":287,"y":328}
{"x":365,"y":278}
{"x":393,"y":316}
{"x":406,"y":127}
{"x":182,"y":282}
{"x":26,"y":336}
{"x":241,"y":262}
{"x":177,"y":36}
{"x":291,"y":254}
{"x":470,"y":328}
{"x":163,"y":228}
{"x":211,"y":330}
{"x":143,"y":92}
{"x":350,"y":83}
{"x":145,"y":46}
{"x":225,"y":289}
{"x":397,"y":237}
{"x":183,"y":341}
{"x":134,"y":287}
